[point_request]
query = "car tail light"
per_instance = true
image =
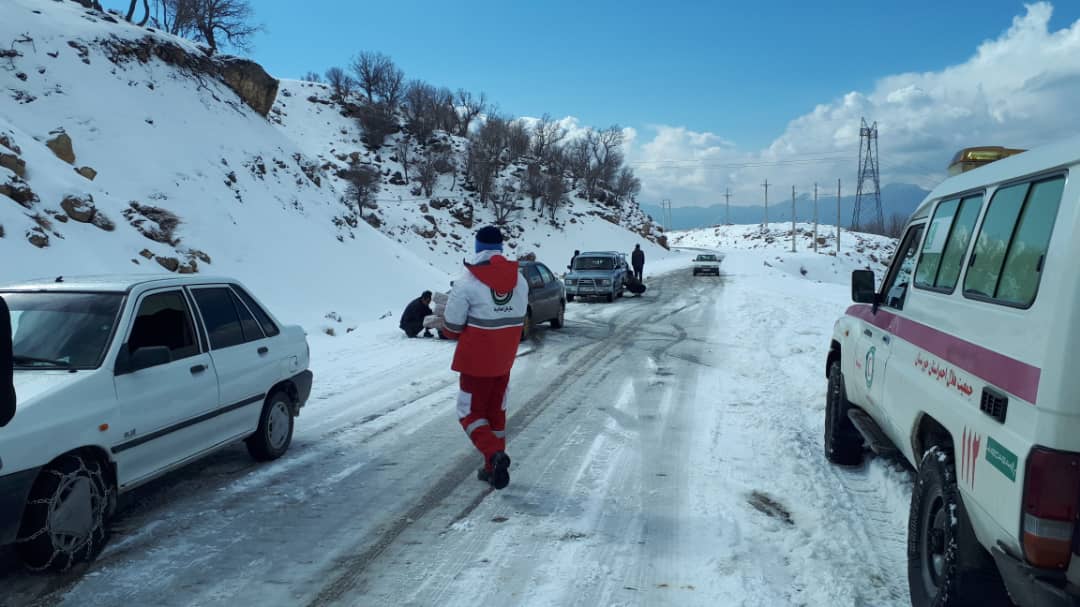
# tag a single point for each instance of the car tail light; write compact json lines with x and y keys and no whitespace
{"x":1051,"y":504}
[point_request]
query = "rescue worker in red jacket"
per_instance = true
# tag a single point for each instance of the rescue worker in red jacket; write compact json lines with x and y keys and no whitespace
{"x":484,"y":312}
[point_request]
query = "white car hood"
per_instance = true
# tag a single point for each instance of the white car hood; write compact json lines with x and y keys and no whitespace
{"x":30,"y":385}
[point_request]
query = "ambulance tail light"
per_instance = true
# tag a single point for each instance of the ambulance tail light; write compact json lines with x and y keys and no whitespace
{"x":1051,"y":506}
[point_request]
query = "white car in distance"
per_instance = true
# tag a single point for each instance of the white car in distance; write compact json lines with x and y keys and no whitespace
{"x":707,"y":263}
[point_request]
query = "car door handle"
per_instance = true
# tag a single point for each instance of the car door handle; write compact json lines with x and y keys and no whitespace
{"x":868,"y":333}
{"x":263,"y":351}
{"x":197,"y":369}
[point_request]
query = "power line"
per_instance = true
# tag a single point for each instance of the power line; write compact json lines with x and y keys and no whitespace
{"x":735,"y":165}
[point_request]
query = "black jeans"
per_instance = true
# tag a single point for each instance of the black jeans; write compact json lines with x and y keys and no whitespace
{"x":412,"y":329}
{"x":639,"y":272}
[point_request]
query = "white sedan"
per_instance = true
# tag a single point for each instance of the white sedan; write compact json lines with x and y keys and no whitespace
{"x":122,"y":379}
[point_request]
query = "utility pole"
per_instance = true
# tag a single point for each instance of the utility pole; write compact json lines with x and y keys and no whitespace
{"x":792,"y":219}
{"x":727,"y":206}
{"x":838,"y":218}
{"x":766,"y":224}
{"x":815,"y":218}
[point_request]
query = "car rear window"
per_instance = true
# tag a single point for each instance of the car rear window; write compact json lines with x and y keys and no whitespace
{"x":545,"y":274}
{"x":220,"y":316}
{"x":267,"y":325}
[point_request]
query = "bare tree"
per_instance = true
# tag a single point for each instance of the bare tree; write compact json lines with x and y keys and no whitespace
{"x":420,"y":106}
{"x":230,"y":20}
{"x":131,"y":12}
{"x":626,"y":185}
{"x":557,"y":161}
{"x":427,"y":174}
{"x":504,"y":204}
{"x":391,"y":85}
{"x":313,"y":77}
{"x":176,"y":17}
{"x":533,"y":183}
{"x":578,"y":155}
{"x":468,"y":109}
{"x":401,"y":150}
{"x":446,"y":113}
{"x":363,"y":185}
{"x":373,"y":70}
{"x":554,"y":195}
{"x":546,"y":136}
{"x":377,"y":122}
{"x":517,"y":140}
{"x":341,"y":84}
{"x":606,"y":146}
{"x":481,"y":169}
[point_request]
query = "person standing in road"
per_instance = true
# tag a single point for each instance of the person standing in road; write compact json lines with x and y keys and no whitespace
{"x":412,"y":319}
{"x":573,"y":259}
{"x":7,"y":365}
{"x":637,"y":260}
{"x":485,"y":311}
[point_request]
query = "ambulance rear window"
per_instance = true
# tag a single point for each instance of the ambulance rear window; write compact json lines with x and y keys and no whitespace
{"x":1007,"y":263}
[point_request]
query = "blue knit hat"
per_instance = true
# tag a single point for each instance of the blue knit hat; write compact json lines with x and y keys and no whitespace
{"x":489,"y":238}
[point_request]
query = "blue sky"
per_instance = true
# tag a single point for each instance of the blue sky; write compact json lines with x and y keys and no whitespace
{"x":736,"y":70}
{"x":733,"y":92}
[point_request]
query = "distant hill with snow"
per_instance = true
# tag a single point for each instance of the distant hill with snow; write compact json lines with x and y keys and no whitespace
{"x":896,"y":199}
{"x":773,"y":246}
{"x":126,"y":150}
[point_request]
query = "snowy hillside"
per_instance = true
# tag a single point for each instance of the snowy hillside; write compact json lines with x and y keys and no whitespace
{"x":438,"y":227}
{"x":773,"y":248}
{"x":125,"y":150}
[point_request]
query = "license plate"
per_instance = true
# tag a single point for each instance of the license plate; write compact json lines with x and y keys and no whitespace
{"x":586,"y":289}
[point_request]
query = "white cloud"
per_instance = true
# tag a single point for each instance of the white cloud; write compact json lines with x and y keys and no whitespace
{"x":1019,"y":89}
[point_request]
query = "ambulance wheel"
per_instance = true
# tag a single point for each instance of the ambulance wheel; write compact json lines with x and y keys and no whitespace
{"x":843,"y":443}
{"x":947,"y":566}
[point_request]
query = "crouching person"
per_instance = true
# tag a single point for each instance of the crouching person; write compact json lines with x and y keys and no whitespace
{"x":412,"y":319}
{"x":484,"y":312}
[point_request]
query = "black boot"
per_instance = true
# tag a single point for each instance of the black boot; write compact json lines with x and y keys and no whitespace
{"x":500,"y":470}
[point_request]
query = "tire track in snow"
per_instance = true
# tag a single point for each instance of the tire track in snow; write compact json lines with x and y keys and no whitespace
{"x":352,"y":569}
{"x":861,"y":545}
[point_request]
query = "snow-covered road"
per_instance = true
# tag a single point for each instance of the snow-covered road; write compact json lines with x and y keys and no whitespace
{"x":666,"y":451}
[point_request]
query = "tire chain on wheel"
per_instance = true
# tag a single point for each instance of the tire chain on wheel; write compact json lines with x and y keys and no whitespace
{"x":96,"y":477}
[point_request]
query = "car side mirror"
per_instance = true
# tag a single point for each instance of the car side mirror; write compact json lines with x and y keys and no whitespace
{"x":144,"y":358}
{"x":863,"y":287}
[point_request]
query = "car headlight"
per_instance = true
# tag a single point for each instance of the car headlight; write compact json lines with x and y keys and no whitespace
{"x":603,"y":282}
{"x":570,"y":281}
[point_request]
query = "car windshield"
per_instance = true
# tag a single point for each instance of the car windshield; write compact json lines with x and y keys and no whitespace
{"x":61,"y":330}
{"x":594,"y":263}
{"x":706,"y":258}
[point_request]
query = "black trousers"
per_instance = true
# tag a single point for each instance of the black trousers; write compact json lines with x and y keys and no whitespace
{"x":639,"y":271}
{"x":412,"y":329}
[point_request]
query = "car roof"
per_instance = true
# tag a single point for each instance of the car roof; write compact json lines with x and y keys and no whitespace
{"x":599,"y":253}
{"x":110,"y":283}
{"x":1042,"y":159}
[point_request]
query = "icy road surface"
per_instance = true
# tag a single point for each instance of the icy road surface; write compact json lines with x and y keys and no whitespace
{"x":666,"y":451}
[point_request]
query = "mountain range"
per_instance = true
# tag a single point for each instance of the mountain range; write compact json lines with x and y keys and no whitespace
{"x":896,"y":199}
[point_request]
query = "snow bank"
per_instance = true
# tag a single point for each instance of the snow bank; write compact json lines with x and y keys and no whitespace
{"x":772,"y":248}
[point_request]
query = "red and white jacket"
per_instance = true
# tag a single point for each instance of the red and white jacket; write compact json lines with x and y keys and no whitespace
{"x":485,"y":311}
